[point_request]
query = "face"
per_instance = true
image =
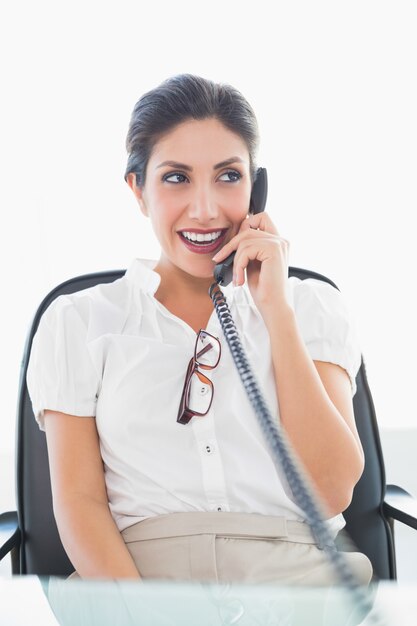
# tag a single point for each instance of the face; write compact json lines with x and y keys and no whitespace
{"x":197,"y":186}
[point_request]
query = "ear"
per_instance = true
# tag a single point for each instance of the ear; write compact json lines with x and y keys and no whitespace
{"x":138,"y":192}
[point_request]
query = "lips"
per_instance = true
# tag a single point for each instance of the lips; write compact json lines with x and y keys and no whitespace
{"x":203,"y":248}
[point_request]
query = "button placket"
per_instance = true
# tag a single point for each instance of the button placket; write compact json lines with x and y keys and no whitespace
{"x":211,"y":463}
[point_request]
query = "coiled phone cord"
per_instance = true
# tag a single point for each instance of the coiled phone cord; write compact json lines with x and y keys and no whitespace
{"x":285,"y":458}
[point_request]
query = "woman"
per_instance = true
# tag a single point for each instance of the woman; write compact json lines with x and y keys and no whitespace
{"x":136,"y":493}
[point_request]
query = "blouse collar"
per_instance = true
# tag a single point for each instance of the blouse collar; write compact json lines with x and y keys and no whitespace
{"x":141,"y":272}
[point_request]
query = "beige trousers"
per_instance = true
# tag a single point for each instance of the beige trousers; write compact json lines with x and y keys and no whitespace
{"x":233,"y":547}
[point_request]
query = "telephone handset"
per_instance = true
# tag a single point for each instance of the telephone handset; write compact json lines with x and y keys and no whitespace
{"x":223,"y":272}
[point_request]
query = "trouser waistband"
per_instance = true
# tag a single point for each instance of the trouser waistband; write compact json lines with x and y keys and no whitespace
{"x":238,"y":525}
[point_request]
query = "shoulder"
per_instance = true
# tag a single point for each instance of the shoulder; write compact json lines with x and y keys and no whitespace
{"x":313,"y":295}
{"x":100,"y":308}
{"x":320,"y":308}
{"x":65,"y":364}
{"x":326,"y":324}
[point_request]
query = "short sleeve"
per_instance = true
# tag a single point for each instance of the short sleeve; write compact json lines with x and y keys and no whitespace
{"x":61,"y":375}
{"x":326,"y":325}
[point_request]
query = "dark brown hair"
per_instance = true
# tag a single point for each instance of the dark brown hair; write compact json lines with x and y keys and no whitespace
{"x":181,"y":98}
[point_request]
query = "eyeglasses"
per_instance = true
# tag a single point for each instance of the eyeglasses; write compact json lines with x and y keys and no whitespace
{"x":198,"y":391}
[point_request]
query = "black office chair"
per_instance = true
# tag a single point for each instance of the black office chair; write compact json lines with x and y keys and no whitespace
{"x":30,"y":534}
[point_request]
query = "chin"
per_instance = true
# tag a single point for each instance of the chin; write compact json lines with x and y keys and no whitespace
{"x":203,"y":273}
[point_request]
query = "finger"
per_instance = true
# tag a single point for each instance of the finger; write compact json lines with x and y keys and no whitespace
{"x":231,"y":245}
{"x":250,"y":252}
{"x":245,"y":225}
{"x":236,"y":241}
{"x":262,"y":221}
{"x":243,"y":257}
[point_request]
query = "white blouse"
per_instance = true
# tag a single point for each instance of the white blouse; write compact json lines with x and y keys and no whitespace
{"x":114,"y":352}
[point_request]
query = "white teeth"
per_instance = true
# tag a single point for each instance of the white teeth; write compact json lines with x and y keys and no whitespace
{"x":200,"y":237}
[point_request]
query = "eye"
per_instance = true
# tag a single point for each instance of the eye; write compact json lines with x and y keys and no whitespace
{"x":175,"y":178}
{"x":232,"y":176}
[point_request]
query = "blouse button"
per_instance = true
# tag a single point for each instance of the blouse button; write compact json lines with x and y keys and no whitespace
{"x":208,"y":448}
{"x":203,"y":390}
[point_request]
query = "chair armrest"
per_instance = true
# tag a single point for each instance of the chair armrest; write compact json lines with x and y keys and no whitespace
{"x":400,"y":505}
{"x":9,"y":533}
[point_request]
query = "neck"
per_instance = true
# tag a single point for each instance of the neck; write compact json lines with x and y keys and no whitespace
{"x":175,"y":283}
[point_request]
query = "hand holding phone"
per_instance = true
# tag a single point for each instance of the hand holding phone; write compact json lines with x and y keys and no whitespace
{"x":223,"y":272}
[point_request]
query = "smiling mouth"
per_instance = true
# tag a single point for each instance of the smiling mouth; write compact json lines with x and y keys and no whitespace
{"x":203,"y":243}
{"x":202,"y":237}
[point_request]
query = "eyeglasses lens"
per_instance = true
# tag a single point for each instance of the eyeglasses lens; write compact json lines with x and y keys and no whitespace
{"x":207,"y":351}
{"x":200,"y":393}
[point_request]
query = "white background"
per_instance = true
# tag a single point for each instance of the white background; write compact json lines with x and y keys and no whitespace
{"x":334,"y":87}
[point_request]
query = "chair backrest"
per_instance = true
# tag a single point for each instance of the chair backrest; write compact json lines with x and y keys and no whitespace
{"x":42,"y":552}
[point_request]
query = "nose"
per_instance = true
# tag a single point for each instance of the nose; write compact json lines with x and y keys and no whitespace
{"x":203,"y":206}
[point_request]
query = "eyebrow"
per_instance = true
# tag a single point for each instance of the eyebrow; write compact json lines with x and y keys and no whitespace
{"x":188,"y":168}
